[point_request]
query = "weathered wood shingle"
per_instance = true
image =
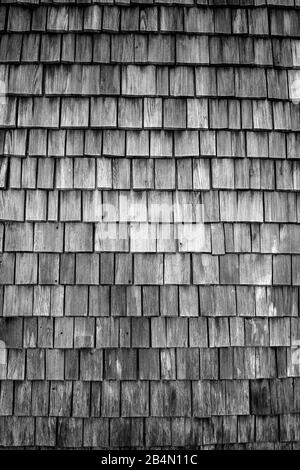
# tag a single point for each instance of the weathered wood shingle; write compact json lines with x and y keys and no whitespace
{"x":149,"y":232}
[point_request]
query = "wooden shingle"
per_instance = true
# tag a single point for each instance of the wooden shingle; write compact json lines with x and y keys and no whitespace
{"x":250,"y":83}
{"x":78,"y":237}
{"x":151,"y":272}
{"x":169,"y":302}
{"x":255,"y":269}
{"x":205,"y":269}
{"x":38,"y":112}
{"x":75,"y":113}
{"x":76,"y":300}
{"x":121,"y":326}
{"x":199,"y":20}
{"x":174,"y":113}
{"x":171,"y":20}
{"x":130,"y":113}
{"x":192,"y":49}
{"x":176,"y":397}
{"x":138,"y":80}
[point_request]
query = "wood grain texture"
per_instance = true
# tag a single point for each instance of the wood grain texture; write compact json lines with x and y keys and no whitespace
{"x":149,"y":224}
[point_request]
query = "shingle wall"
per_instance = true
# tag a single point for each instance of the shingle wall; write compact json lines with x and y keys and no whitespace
{"x":119,"y":121}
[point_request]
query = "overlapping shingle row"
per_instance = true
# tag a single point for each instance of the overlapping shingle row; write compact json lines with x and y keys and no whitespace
{"x":136,"y":80}
{"x":147,"y":17}
{"x":163,"y":49}
{"x":169,"y":113}
{"x":149,"y":224}
{"x":151,"y":144}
